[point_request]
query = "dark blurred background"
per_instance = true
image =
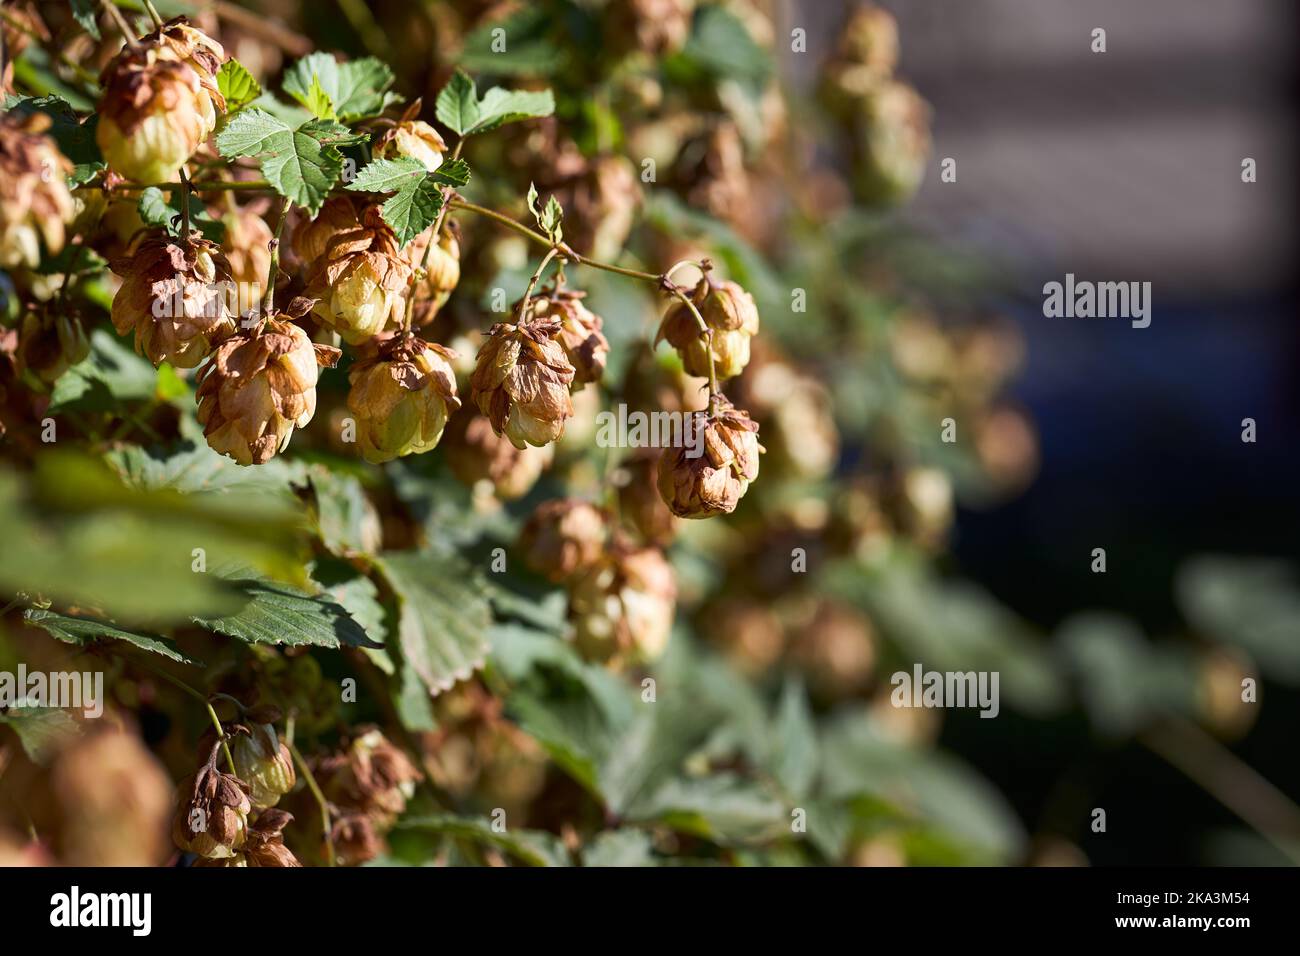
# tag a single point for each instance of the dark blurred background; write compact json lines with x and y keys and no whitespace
{"x":1125,"y":165}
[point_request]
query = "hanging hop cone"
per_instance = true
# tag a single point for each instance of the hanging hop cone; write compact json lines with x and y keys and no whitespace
{"x":49,"y":344}
{"x":622,"y":607}
{"x":731,"y":316}
{"x":212,"y":819}
{"x":259,"y":387}
{"x":522,"y":379}
{"x":711,"y":483}
{"x":35,"y":204}
{"x":403,"y":392}
{"x":580,"y":331}
{"x":563,"y":537}
{"x":264,"y":763}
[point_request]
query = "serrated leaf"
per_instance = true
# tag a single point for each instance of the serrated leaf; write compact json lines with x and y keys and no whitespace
{"x":83,"y":173}
{"x":454,"y":173}
{"x":319,"y":102}
{"x":276,"y":613}
{"x":457,"y":105}
{"x":356,"y":89}
{"x":414,"y":209}
{"x":794,"y":742}
{"x":82,"y":630}
{"x":500,"y":106}
{"x":725,"y":809}
{"x":237,"y":85}
{"x":84,"y":12}
{"x":443,"y":616}
{"x":388,"y":175}
{"x":552,"y":216}
{"x":302,"y":164}
{"x":345,"y":519}
{"x":533,"y":847}
{"x":109,"y":375}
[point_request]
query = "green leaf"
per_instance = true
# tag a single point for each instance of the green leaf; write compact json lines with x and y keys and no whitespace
{"x":318,"y":101}
{"x":355,"y":89}
{"x":726,"y":809}
{"x":457,"y":105}
{"x":237,"y":85}
{"x":794,"y":742}
{"x":388,"y":175}
{"x":454,"y":173}
{"x":629,"y":847}
{"x":532,"y":847}
{"x":548,"y":218}
{"x":532,"y":49}
{"x":111,"y":374}
{"x":42,"y":731}
{"x":157,"y":210}
{"x":75,"y":137}
{"x":414,"y":209}
{"x":83,"y":630}
{"x":345,"y":519}
{"x":83,"y":173}
{"x":443,"y":615}
{"x":722,"y":47}
{"x":276,"y":613}
{"x":84,"y":12}
{"x":302,"y":164}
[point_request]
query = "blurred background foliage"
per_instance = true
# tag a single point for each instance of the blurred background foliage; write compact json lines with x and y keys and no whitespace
{"x":678,"y":133}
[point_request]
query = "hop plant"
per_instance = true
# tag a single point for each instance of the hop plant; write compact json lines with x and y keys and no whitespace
{"x":731,"y":319}
{"x":403,"y":392}
{"x":49,"y":344}
{"x":259,"y":386}
{"x":522,"y":379}
{"x":264,"y":763}
{"x":160,"y":103}
{"x":622,"y":607}
{"x":35,"y":204}
{"x":212,"y":817}
{"x":174,"y":298}
{"x":441,"y":272}
{"x":713,"y":482}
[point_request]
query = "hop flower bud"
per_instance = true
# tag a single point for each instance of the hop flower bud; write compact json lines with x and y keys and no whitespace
{"x":714,"y":482}
{"x":371,"y":776}
{"x":442,"y":272}
{"x":362,"y":281}
{"x":173,"y":295}
{"x":35,"y":203}
{"x":732,"y":318}
{"x":622,"y":607}
{"x":259,"y":387}
{"x":264,"y":764}
{"x":563,"y":537}
{"x":521,"y":382}
{"x":49,"y":345}
{"x":160,"y":103}
{"x":415,"y":139}
{"x":580,"y":331}
{"x":476,"y":453}
{"x":403,"y":392}
{"x":212,"y":819}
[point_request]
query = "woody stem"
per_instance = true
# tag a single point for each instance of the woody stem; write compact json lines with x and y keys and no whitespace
{"x":707,"y":333}
{"x":185,"y":203}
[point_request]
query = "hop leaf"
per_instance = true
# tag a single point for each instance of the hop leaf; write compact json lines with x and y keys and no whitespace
{"x":417,"y":196}
{"x":237,"y":85}
{"x":460,"y":108}
{"x":354,"y":90}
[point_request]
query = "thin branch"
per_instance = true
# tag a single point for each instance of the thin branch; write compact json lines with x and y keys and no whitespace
{"x":314,"y":787}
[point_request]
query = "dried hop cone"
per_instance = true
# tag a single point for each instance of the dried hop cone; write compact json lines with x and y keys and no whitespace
{"x":212,"y":819}
{"x":522,"y":380}
{"x":259,"y":387}
{"x":49,"y":345}
{"x":264,"y":845}
{"x":580,"y":331}
{"x":160,"y":102}
{"x":710,"y":473}
{"x":441,"y":272}
{"x":175,"y":297}
{"x":403,"y":392}
{"x":361,"y":281}
{"x":264,"y":763}
{"x":622,"y":607}
{"x":563,"y":537}
{"x":35,"y":204}
{"x":414,"y":139}
{"x":476,"y":453}
{"x":730,"y":315}
{"x":371,"y":776}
